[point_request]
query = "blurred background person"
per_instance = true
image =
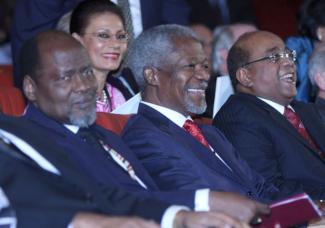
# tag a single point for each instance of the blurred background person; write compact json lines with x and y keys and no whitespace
{"x":6,"y":12}
{"x":312,"y":29}
{"x":317,"y":78}
{"x":205,"y":35}
{"x":223,"y":38}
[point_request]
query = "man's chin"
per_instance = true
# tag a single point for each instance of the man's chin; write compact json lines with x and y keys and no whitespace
{"x":83,"y":120}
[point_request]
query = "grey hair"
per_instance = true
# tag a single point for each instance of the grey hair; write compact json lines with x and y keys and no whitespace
{"x":316,"y":64}
{"x":153,"y":47}
{"x":223,"y":38}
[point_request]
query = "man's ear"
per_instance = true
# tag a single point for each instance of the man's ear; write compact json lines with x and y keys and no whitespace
{"x":77,"y":37}
{"x":151,"y":76}
{"x":29,"y":88}
{"x":244,"y":77}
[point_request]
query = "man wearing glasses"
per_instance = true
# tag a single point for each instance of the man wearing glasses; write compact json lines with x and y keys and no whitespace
{"x":277,"y":135}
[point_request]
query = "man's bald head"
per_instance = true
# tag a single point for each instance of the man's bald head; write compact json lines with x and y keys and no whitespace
{"x":45,"y":43}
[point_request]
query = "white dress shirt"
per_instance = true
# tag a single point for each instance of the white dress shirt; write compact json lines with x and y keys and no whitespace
{"x":276,"y":106}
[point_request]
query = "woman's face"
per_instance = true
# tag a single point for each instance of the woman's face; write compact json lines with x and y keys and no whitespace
{"x":106,"y":41}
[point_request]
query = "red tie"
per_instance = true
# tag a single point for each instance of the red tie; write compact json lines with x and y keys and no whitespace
{"x":294,"y":119}
{"x":195,"y":131}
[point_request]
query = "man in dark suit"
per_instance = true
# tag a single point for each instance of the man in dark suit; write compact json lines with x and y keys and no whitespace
{"x":172,"y":70}
{"x":34,"y":16}
{"x":48,"y":190}
{"x":279,"y":137}
{"x":61,"y":88}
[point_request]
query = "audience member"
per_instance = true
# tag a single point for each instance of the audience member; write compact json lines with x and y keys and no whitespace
{"x":221,"y":12}
{"x":99,"y":25}
{"x":34,"y":16}
{"x":205,"y":35}
{"x":62,"y":100}
{"x":263,"y":121}
{"x":47,"y":189}
{"x":173,"y":86}
{"x":317,"y":78}
{"x":223,"y":38}
{"x":6,"y":13}
{"x":312,"y":28}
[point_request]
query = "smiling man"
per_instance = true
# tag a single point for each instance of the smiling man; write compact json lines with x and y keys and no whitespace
{"x":279,"y":137}
{"x":172,"y":70}
{"x":59,"y":124}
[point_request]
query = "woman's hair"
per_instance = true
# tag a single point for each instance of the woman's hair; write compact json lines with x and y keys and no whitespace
{"x":83,"y":12}
{"x":311,"y":16}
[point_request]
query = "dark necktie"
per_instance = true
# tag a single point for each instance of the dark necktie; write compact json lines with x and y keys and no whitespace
{"x":90,"y":137}
{"x":294,"y":119}
{"x":196,"y":132}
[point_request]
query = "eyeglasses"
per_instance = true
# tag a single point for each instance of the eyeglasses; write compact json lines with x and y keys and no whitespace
{"x":274,"y":58}
{"x":105,"y":36}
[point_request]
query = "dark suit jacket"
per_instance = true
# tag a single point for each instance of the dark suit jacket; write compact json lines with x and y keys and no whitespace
{"x":102,"y":169}
{"x":272,"y":146}
{"x":320,"y":105}
{"x":175,"y":160}
{"x":43,"y":199}
{"x":34,"y":16}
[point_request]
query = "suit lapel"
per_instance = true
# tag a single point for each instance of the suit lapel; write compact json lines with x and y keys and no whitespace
{"x":277,"y":118}
{"x":198,"y":150}
{"x":55,"y":154}
{"x":312,"y":123}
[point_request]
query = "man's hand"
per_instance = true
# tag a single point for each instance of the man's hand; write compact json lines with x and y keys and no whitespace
{"x":206,"y":219}
{"x":237,"y":206}
{"x":90,"y":220}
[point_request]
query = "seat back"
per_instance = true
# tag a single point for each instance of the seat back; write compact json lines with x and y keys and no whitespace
{"x":113,"y":122}
{"x":12,"y":101}
{"x":6,"y":75}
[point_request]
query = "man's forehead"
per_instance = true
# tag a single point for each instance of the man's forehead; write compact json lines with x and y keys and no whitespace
{"x":262,"y":41}
{"x":66,"y":57}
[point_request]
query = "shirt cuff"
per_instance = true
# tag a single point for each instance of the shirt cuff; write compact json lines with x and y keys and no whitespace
{"x":202,"y":200}
{"x":169,"y":216}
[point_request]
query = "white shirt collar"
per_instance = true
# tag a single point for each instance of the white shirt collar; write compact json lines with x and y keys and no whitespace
{"x":72,"y":128}
{"x":276,"y":106}
{"x":176,"y":117}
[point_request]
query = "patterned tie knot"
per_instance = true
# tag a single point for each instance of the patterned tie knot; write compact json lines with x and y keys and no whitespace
{"x":195,"y":131}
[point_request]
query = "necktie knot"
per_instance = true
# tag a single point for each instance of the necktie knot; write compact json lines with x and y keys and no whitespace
{"x":195,"y":131}
{"x":292,"y":117}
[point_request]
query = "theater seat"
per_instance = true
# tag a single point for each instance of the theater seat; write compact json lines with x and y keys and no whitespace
{"x":6,"y":77}
{"x":113,"y":122}
{"x":12,"y":101}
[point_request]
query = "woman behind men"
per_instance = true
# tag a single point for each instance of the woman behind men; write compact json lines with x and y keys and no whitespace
{"x":312,"y":29}
{"x":99,"y":25}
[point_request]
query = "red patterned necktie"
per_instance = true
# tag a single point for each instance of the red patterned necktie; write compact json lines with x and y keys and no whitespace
{"x":195,"y":131}
{"x":294,"y":119}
